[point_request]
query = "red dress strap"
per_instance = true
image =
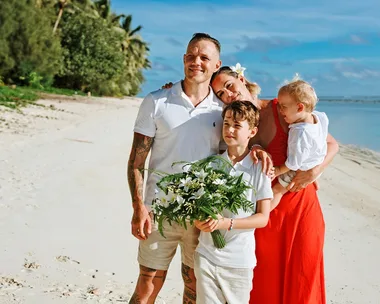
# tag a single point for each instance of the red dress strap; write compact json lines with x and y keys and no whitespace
{"x":278,"y":146}
{"x":275,"y":115}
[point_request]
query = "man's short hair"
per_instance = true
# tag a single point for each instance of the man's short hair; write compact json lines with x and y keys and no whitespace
{"x":203,"y":36}
{"x":243,"y":110}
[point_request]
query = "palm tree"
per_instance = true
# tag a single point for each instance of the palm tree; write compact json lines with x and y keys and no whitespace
{"x":72,"y":5}
{"x":133,"y":44}
{"x":103,"y":8}
{"x":61,"y":6}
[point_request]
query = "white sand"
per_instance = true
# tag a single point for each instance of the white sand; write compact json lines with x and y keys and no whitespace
{"x":65,"y":210}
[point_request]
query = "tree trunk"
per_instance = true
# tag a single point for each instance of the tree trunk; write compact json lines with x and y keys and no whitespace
{"x":58,"y":19}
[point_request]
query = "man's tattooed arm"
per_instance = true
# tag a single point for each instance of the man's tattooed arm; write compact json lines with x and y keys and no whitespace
{"x":140,"y":149}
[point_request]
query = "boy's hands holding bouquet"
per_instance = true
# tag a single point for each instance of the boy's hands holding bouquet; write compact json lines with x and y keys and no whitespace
{"x":211,"y":224}
{"x":199,"y":195}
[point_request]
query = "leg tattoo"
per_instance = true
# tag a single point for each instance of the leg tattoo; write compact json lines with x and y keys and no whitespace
{"x":135,"y":299}
{"x":189,"y":293}
{"x":185,"y":274}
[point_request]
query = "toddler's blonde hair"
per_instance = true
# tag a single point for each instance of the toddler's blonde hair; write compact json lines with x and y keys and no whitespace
{"x":301,"y":91}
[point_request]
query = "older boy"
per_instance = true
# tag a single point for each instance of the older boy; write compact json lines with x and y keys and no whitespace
{"x":225,"y":275}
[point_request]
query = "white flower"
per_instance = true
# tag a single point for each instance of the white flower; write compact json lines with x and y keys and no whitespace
{"x":166,"y":199}
{"x":219,"y":181}
{"x":238,"y":69}
{"x":199,"y":193}
{"x":186,"y":183}
{"x":180,"y":199}
{"x":201,"y":175}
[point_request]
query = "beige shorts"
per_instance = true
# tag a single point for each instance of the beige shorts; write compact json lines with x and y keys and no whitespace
{"x":157,"y":251}
{"x":220,"y":285}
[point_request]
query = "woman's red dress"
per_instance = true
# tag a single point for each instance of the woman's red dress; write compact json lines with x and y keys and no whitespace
{"x":289,"y":250}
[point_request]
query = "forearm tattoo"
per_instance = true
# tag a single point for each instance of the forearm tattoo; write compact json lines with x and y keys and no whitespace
{"x":140,"y":149}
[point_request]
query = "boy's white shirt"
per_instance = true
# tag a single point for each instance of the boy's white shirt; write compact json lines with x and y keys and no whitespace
{"x":307,"y":146}
{"x":239,"y":251}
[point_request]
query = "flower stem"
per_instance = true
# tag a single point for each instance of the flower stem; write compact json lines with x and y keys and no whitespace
{"x":218,"y":239}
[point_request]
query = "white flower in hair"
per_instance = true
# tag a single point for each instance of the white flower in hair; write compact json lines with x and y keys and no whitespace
{"x":238,"y":69}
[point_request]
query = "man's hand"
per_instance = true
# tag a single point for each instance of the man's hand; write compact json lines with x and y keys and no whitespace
{"x":303,"y":179}
{"x":258,"y":153}
{"x":141,"y":223}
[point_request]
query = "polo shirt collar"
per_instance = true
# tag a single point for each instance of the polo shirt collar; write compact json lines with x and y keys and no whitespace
{"x":246,"y":162}
{"x":178,"y":91}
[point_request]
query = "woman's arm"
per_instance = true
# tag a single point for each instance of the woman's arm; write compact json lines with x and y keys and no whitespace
{"x":278,"y":170}
{"x":304,"y":178}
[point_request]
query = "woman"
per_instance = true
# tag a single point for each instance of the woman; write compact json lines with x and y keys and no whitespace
{"x":289,"y":250}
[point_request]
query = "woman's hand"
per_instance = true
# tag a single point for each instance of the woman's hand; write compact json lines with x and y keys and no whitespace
{"x":258,"y":153}
{"x":167,"y":85}
{"x":210,"y":224}
{"x":303,"y":179}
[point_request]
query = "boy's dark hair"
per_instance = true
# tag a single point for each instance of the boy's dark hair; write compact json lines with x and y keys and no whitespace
{"x":243,"y":110}
{"x":203,"y":36}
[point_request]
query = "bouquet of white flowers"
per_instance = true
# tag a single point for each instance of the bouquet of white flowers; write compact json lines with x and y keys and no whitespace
{"x":203,"y":190}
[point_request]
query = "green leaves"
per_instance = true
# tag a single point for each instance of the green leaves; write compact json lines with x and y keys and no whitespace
{"x":91,"y":49}
{"x":204,"y":189}
{"x":27,"y":44}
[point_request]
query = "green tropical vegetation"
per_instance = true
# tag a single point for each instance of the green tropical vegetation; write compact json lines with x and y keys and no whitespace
{"x":77,"y":45}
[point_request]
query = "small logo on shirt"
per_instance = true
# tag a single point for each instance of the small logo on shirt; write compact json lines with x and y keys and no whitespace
{"x":214,"y":124}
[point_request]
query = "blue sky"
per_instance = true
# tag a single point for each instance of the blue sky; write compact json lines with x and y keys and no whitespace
{"x":334,"y":44}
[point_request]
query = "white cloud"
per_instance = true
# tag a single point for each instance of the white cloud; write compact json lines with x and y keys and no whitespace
{"x":355,"y":39}
{"x":361,"y":74}
{"x":328,"y":60}
{"x":263,"y":44}
{"x":330,"y":77}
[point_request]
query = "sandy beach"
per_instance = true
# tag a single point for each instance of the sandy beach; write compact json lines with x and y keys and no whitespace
{"x":65,"y":209}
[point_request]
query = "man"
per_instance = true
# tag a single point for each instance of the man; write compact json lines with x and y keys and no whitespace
{"x":180,"y":124}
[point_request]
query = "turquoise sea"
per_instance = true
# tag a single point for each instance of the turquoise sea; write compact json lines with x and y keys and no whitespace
{"x":353,"y":120}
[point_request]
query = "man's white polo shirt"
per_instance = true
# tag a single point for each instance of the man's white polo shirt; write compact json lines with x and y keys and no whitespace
{"x":181,"y":131}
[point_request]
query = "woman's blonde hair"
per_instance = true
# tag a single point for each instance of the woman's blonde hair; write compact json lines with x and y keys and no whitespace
{"x":252,"y":87}
{"x":301,"y":91}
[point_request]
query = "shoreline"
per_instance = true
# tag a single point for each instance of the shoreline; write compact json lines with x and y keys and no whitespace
{"x":62,"y":109}
{"x":65,"y":209}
